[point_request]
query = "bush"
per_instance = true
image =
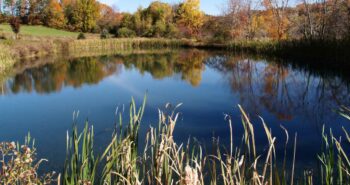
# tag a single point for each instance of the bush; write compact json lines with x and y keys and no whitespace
{"x":172,"y":31}
{"x":104,"y":34}
{"x":126,"y":32}
{"x":18,"y":166}
{"x":15,"y":24}
{"x":81,"y":36}
{"x":2,"y":18}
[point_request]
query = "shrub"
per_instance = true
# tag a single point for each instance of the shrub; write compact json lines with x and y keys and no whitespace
{"x":104,"y":34}
{"x":18,"y":165}
{"x":126,"y":32}
{"x":81,"y":36}
{"x":172,"y":31}
{"x":2,"y":18}
{"x":15,"y":24}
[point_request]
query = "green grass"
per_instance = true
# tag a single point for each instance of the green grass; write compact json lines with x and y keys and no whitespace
{"x":39,"y":31}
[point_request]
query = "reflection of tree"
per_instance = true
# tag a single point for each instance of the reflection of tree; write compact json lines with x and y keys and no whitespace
{"x":52,"y":77}
{"x":281,"y":90}
{"x":191,"y":65}
{"x":188,"y":64}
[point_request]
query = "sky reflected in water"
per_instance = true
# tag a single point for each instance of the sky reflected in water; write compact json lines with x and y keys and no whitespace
{"x":41,"y":97}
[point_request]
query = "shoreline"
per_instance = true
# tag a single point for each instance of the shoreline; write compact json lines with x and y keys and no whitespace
{"x":326,"y":52}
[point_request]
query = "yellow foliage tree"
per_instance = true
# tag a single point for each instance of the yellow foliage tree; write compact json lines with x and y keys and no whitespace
{"x":85,"y":15}
{"x":190,"y":16}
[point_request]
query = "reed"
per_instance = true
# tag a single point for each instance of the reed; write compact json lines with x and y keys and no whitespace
{"x":160,"y":160}
{"x":334,"y":50}
{"x":6,"y":59}
{"x":163,"y":161}
{"x":111,"y":46}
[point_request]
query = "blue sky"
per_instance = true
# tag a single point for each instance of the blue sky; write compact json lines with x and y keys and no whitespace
{"x":212,"y":7}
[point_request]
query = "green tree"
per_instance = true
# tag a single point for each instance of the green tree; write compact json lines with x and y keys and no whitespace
{"x":126,"y":32}
{"x":160,"y":15}
{"x":137,"y":21}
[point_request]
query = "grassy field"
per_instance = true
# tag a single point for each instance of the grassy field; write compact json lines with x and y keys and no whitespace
{"x":39,"y":31}
{"x":35,"y":41}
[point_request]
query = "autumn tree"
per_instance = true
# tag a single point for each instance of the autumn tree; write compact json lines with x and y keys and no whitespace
{"x":15,"y":24}
{"x":85,"y":14}
{"x":53,"y":15}
{"x":161,"y":17}
{"x":154,"y":21}
{"x":190,"y":16}
{"x":239,"y":18}
{"x":277,"y":18}
{"x":109,"y":18}
{"x":323,"y":19}
{"x":35,"y":8}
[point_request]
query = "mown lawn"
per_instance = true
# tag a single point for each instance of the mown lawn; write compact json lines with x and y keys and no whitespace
{"x":39,"y":31}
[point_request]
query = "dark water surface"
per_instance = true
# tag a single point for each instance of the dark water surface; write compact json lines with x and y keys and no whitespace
{"x":41,"y":97}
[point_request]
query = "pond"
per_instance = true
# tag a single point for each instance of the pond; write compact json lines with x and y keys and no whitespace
{"x":39,"y":98}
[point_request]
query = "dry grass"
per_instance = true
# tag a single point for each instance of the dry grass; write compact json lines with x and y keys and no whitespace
{"x":111,"y":46}
{"x":6,"y":59}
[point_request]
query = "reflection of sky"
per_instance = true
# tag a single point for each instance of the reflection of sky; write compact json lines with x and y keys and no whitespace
{"x":48,"y":116}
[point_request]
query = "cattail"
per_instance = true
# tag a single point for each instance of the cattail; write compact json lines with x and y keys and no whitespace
{"x":191,"y":176}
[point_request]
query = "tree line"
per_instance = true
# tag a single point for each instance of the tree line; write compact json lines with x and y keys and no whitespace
{"x":240,"y":19}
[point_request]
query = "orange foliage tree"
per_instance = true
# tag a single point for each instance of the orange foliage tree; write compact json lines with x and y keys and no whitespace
{"x":276,"y":18}
{"x":54,"y":15}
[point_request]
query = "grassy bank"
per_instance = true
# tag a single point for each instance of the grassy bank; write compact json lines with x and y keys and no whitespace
{"x":329,"y":51}
{"x":335,"y":50}
{"x":37,"y":31}
{"x":6,"y":59}
{"x":90,"y":47}
{"x":163,"y":161}
{"x":39,"y":41}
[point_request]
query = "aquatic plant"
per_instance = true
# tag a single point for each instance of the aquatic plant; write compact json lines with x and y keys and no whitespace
{"x":162,"y":161}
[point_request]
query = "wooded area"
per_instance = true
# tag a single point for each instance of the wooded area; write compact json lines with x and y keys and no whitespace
{"x":240,"y":20}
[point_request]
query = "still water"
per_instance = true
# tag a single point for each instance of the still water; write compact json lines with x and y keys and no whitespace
{"x":40,"y":97}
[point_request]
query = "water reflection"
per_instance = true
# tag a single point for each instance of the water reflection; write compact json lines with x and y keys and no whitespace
{"x":55,"y":76}
{"x":39,"y":97}
{"x":281,"y":89}
{"x":260,"y":85}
